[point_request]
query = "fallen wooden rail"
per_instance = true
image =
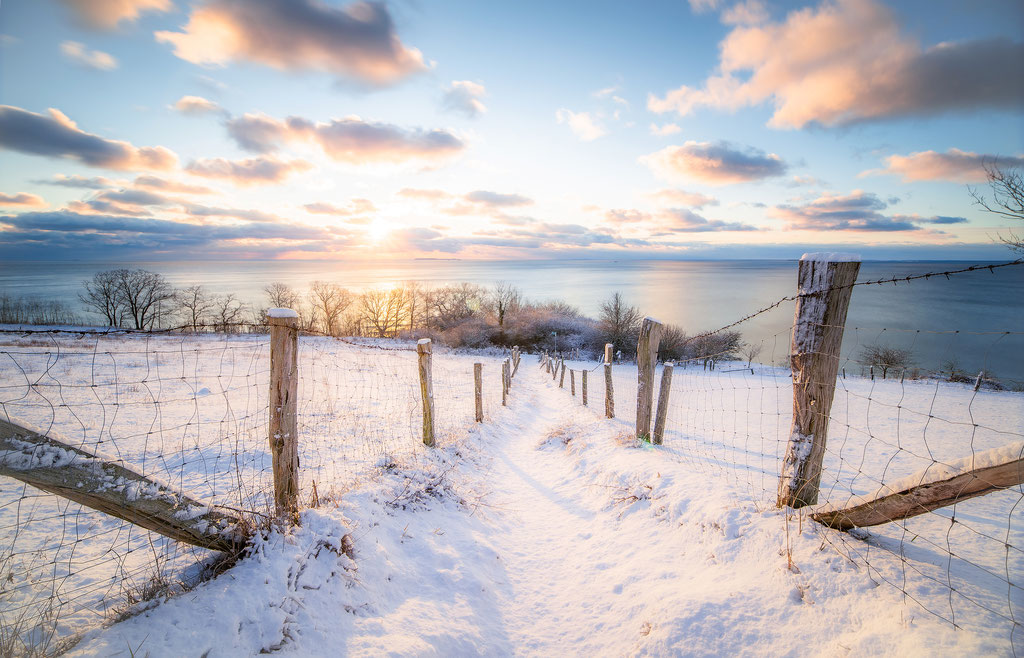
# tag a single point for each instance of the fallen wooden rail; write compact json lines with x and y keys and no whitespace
{"x":109,"y":486}
{"x":967,"y":478}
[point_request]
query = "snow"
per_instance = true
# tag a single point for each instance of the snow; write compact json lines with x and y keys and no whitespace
{"x":832,"y":257}
{"x":548,"y":529}
{"x":282,"y":313}
{"x":423,"y":341}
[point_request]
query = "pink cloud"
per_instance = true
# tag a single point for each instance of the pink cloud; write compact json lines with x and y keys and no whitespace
{"x":357,"y":41}
{"x":953,"y":165}
{"x":21,"y":199}
{"x":717,"y":164}
{"x":847,"y":61}
{"x":248,"y":172}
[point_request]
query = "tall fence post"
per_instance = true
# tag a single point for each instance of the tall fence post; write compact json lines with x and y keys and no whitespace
{"x":515,"y":360}
{"x":646,"y":357}
{"x":583,"y":386}
{"x":609,"y":395}
{"x":824,"y":284}
{"x":572,"y":382}
{"x":561,"y":378}
{"x":663,"y":392}
{"x":424,"y":350}
{"x":478,"y":390}
{"x":284,"y":419}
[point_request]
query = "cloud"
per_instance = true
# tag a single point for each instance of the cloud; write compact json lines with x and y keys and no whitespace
{"x":496,"y":199}
{"x":57,"y":136}
{"x":847,"y":61}
{"x":702,"y":6}
{"x":627,"y":216}
{"x":583,"y":124}
{"x":89,"y":183}
{"x":198,"y":210}
{"x":156,"y":183}
{"x":692,"y":199}
{"x":90,"y":59}
{"x":681,"y":220}
{"x":938,"y":219}
{"x":106,"y":14}
{"x":357,"y":41}
{"x":664,"y":130}
{"x":423,"y":239}
{"x":248,"y":172}
{"x":717,"y":164}
{"x":357,"y":211}
{"x":747,"y":12}
{"x":21,"y":199}
{"x":430,"y":195}
{"x":953,"y":165}
{"x":73,"y":232}
{"x":857,"y":211}
{"x":127,"y":202}
{"x":197,"y":106}
{"x":349,"y":140}
{"x":464,"y":96}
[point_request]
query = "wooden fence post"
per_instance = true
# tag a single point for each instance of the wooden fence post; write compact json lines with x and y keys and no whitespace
{"x":609,"y":394}
{"x":478,"y":390}
{"x":663,"y":392}
{"x":547,"y":362}
{"x":825,"y":284}
{"x":646,"y":357}
{"x":583,"y":386}
{"x":515,"y":360}
{"x":284,"y":420}
{"x":561,"y":378}
{"x":572,"y":382}
{"x":504,"y":383}
{"x":424,"y":350}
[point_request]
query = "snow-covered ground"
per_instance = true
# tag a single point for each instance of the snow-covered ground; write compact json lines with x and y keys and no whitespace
{"x":547,"y":529}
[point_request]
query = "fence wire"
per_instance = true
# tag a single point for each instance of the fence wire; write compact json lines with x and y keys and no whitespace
{"x":190,"y":411}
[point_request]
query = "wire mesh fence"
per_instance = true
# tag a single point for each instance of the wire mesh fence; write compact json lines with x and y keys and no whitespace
{"x":912,"y":406}
{"x":191,"y":412}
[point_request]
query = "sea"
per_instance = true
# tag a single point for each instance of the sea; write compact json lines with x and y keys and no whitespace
{"x":975,"y":318}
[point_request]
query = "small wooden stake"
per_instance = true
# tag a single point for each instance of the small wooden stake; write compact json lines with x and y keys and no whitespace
{"x":583,"y":386}
{"x":646,"y":357}
{"x":478,"y":390}
{"x":284,"y":421}
{"x":424,"y":351}
{"x":561,"y":379}
{"x":609,"y":393}
{"x":663,"y":392}
{"x":825,"y":287}
{"x":572,"y":382}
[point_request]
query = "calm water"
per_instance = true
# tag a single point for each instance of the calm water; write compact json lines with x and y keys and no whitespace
{"x":698,"y":295}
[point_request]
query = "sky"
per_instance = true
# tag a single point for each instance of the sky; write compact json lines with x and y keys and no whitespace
{"x":325,"y":129}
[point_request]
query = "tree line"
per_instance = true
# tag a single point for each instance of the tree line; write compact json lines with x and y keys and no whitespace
{"x":458,"y":315}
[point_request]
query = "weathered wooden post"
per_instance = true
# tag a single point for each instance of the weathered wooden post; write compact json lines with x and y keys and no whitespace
{"x":424,"y":351}
{"x":609,"y":395}
{"x":547,"y":362}
{"x":825,"y":284}
{"x":478,"y":390}
{"x":561,"y":378}
{"x":508,"y":375}
{"x":663,"y":392}
{"x":572,"y":382}
{"x":515,"y":360}
{"x":646,"y":358}
{"x":504,"y":383}
{"x":583,"y":386}
{"x":284,"y":418}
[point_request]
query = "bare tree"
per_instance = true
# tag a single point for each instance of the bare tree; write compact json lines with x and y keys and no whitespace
{"x":712,"y":348}
{"x":329,"y":302}
{"x":504,"y":298}
{"x":751,"y":350}
{"x":142,"y":292}
{"x":281,"y":295}
{"x":1006,"y":186}
{"x":620,"y":323}
{"x":383,"y":310}
{"x":452,"y":305}
{"x":227,"y":313}
{"x":193,"y":305}
{"x":101,"y":295}
{"x":885,"y":357}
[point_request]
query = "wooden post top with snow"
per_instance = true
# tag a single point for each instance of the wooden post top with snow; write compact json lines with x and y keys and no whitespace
{"x":825,"y":283}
